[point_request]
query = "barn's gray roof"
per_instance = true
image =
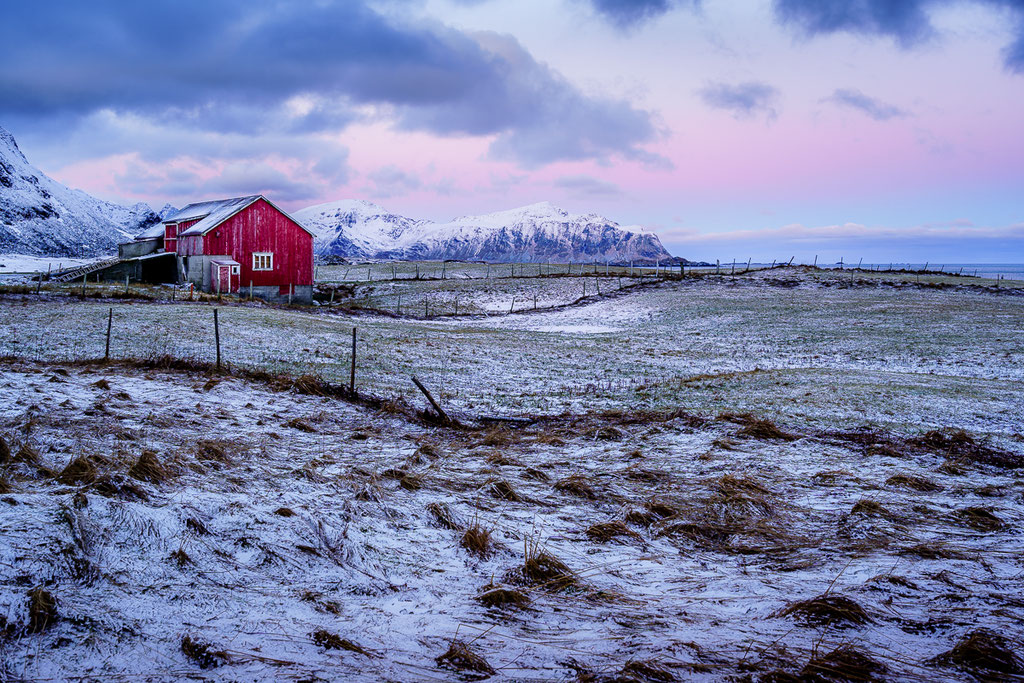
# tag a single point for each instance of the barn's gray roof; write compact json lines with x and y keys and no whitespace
{"x":151,"y":233}
{"x":211,"y":213}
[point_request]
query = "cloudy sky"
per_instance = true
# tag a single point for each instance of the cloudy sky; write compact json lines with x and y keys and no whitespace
{"x":883,"y":129}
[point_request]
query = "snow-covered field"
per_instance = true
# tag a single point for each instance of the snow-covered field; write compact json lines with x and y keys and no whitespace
{"x":647,"y":529}
{"x":21,"y":263}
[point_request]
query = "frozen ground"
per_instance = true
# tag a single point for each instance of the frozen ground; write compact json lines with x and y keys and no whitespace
{"x":277,"y":544}
{"x":290,"y":531}
{"x":11,"y":264}
{"x":802,"y":348}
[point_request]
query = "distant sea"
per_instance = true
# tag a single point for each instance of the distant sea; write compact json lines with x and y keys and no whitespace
{"x":1010,"y":271}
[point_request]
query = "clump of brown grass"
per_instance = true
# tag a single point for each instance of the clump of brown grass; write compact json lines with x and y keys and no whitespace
{"x":646,"y":670}
{"x":609,"y":434}
{"x":646,"y":475}
{"x":216,"y":450}
{"x":829,"y":609}
{"x":983,"y":653}
{"x":42,"y":610}
{"x":5,"y":486}
{"x":196,"y":526}
{"x":149,"y":468}
{"x":845,"y":663}
{"x":181,"y":558}
{"x":912,"y":481}
{"x":427,"y":451}
{"x":540,"y":569}
{"x":496,"y":436}
{"x":411,"y":482}
{"x":301,"y":424}
{"x":500,"y":598}
{"x":765,"y":430}
{"x":443,"y":516}
{"x":933,"y":551}
{"x":499,"y":458}
{"x":605,"y":532}
{"x":101,"y":384}
{"x":462,"y":659}
{"x":502,"y":490}
{"x":203,"y":654}
{"x":981,"y":519}
{"x":284,"y":512}
{"x":549,"y":438}
{"x":576,"y":485}
{"x":870,"y":508}
{"x":117,"y":486}
{"x":81,"y":470}
{"x":27,"y":454}
{"x":477,"y":540}
{"x":5,"y":451}
{"x":393,"y":473}
{"x":332,"y":641}
{"x":536,"y":474}
{"x":960,"y":446}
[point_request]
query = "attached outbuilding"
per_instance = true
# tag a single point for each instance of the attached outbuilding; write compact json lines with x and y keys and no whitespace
{"x":245,"y":245}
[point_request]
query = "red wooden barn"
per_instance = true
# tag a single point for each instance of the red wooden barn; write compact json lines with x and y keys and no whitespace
{"x":237,"y":246}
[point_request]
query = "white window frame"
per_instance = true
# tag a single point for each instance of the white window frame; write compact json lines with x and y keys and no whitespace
{"x":258,"y":260}
{"x":235,"y":270}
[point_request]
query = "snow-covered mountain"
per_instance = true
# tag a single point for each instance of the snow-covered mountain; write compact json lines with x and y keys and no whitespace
{"x":535,"y":233}
{"x":41,"y":217}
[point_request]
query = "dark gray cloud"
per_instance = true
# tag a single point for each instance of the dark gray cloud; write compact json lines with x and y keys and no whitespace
{"x":742,"y":99}
{"x":906,"y":21}
{"x":627,"y":13}
{"x":233,"y":66}
{"x":875,"y":108}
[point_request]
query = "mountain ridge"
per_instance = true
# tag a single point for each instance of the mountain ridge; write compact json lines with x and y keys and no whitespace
{"x":41,"y":217}
{"x":354,"y":228}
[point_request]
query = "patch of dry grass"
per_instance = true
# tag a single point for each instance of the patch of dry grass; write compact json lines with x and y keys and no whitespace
{"x":541,"y":569}
{"x":501,"y":598}
{"x":912,"y":481}
{"x":443,"y":516}
{"x":203,"y":654}
{"x":42,"y":610}
{"x":576,"y":485}
{"x":606,"y":532}
{"x":833,"y":610}
{"x":477,"y":540}
{"x":461,"y":658}
{"x":985,"y":654}
{"x":980,"y":519}
{"x":149,"y":468}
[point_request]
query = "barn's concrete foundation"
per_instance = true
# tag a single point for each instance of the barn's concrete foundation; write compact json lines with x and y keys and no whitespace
{"x":302,"y":295}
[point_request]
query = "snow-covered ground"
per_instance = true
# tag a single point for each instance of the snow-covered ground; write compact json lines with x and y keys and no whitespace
{"x":21,"y":263}
{"x":287,"y":523}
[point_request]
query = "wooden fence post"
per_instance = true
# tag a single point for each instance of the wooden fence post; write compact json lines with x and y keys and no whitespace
{"x":433,"y":403}
{"x":110,"y":322}
{"x":399,"y":304}
{"x":83,"y":285}
{"x":216,"y":334}
{"x":250,"y":290}
{"x":352,"y":375}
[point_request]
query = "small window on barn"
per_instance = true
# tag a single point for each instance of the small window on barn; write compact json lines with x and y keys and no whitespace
{"x":234,"y":270}
{"x":262,"y":260}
